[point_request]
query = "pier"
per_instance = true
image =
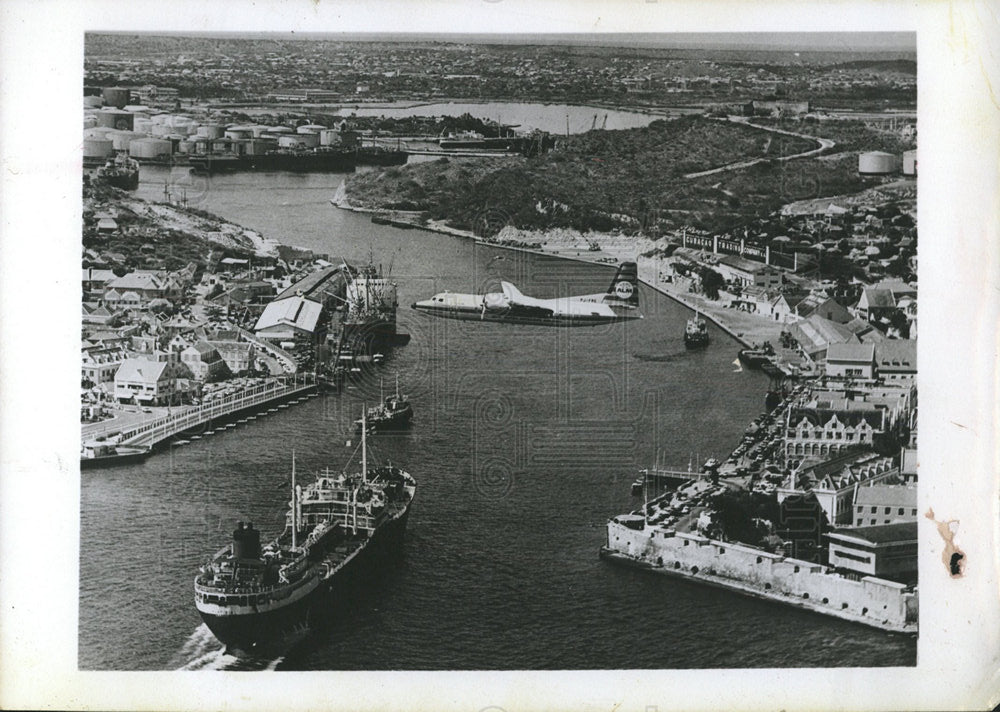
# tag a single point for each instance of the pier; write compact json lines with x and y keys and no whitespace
{"x":151,"y":433}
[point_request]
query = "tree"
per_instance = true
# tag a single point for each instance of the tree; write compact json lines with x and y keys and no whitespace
{"x":711,"y":282}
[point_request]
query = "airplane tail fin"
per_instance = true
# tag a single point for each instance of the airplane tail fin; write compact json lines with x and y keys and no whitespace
{"x":624,"y":287}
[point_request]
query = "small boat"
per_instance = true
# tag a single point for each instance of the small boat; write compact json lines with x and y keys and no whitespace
{"x":696,"y":332}
{"x":392,"y":412}
{"x":104,"y":453}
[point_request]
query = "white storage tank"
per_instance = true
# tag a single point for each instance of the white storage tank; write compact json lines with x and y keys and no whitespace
{"x":115,"y":119}
{"x":280,"y":130}
{"x":137,"y":109}
{"x":910,"y":163}
{"x":143,"y":126}
{"x":89,"y":121}
{"x":99,"y":132}
{"x":309,"y":128}
{"x":185,"y":146}
{"x":93,"y":102}
{"x":160,"y":130}
{"x":329,"y":137}
{"x":148,"y":148}
{"x":211,"y":131}
{"x":877,"y":163}
{"x":121,"y":139}
{"x":289,"y":141}
{"x":98,"y":148}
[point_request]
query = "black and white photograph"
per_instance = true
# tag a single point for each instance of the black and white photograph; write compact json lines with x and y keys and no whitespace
{"x":468,"y":351}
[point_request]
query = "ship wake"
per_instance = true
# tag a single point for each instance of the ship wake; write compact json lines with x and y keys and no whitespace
{"x":202,"y":651}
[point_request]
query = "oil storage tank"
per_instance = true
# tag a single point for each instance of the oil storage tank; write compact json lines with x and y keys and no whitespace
{"x":150,"y":149}
{"x":910,"y":163}
{"x":97,"y":149}
{"x":877,"y":163}
{"x":116,"y":96}
{"x":210,"y":131}
{"x":116,"y":119}
{"x":121,"y":139}
{"x":289,"y":142}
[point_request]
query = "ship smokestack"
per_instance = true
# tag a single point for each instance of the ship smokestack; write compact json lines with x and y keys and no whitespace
{"x":246,"y":542}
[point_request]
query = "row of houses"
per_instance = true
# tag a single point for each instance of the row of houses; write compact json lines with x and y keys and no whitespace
{"x":142,"y":373}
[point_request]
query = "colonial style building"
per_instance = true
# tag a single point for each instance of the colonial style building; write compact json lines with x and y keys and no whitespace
{"x":885,"y":504}
{"x":855,"y":361}
{"x":822,"y":428}
{"x":204,"y":361}
{"x":148,"y":382}
{"x":833,"y":481}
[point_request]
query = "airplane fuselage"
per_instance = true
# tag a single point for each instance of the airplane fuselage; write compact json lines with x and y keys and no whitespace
{"x":496,"y":307}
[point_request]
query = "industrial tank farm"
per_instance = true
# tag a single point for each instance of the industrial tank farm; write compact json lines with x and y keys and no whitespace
{"x":118,"y":122}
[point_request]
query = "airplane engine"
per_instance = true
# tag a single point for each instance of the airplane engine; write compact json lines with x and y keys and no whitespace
{"x":494,"y":301}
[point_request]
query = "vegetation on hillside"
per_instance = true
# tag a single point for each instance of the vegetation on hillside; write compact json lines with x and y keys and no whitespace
{"x":631,"y":180}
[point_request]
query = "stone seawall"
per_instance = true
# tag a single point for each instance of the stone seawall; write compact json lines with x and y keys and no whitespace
{"x":745,"y":569}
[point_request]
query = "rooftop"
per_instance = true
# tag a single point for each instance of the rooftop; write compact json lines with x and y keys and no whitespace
{"x":887,"y":496}
{"x":852,"y":353}
{"x":902,"y":532}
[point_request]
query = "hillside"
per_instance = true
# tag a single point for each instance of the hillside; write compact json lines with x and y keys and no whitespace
{"x":600,"y":180}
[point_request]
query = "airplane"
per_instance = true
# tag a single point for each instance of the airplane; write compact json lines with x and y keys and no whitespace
{"x":510,"y":306}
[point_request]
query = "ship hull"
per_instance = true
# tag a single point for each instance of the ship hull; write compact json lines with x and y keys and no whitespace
{"x":319,"y":161}
{"x":122,"y":181}
{"x":277,"y":628}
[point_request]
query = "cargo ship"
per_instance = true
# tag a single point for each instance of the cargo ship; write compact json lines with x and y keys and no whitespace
{"x":393,"y":411}
{"x":306,"y":160}
{"x":338,"y":530}
{"x":696,"y":332}
{"x":122,"y":172}
{"x":380,"y":156}
{"x":368,"y":322}
{"x":528,"y":145}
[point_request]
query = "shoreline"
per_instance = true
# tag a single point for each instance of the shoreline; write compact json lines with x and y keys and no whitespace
{"x":394,"y":218}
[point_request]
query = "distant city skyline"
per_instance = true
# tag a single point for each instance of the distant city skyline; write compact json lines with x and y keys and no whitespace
{"x":761,"y":41}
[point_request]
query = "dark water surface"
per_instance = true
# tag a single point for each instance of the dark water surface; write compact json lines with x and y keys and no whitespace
{"x":525,"y":441}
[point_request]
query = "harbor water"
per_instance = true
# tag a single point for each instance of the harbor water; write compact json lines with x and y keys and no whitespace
{"x":525,"y":440}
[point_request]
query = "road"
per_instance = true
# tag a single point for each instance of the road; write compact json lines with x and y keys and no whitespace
{"x":824,"y":145}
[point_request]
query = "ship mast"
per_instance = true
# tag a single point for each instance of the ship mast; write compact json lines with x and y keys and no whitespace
{"x":397,"y":386}
{"x":295,"y":518}
{"x":364,"y":444}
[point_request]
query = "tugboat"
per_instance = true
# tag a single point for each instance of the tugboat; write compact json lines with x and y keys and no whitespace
{"x":122,"y":172}
{"x":757,"y":357}
{"x":337,"y":529}
{"x":696,"y":332}
{"x":393,"y":411}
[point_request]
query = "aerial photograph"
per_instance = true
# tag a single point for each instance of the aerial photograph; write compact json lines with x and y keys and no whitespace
{"x":498,"y":352}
